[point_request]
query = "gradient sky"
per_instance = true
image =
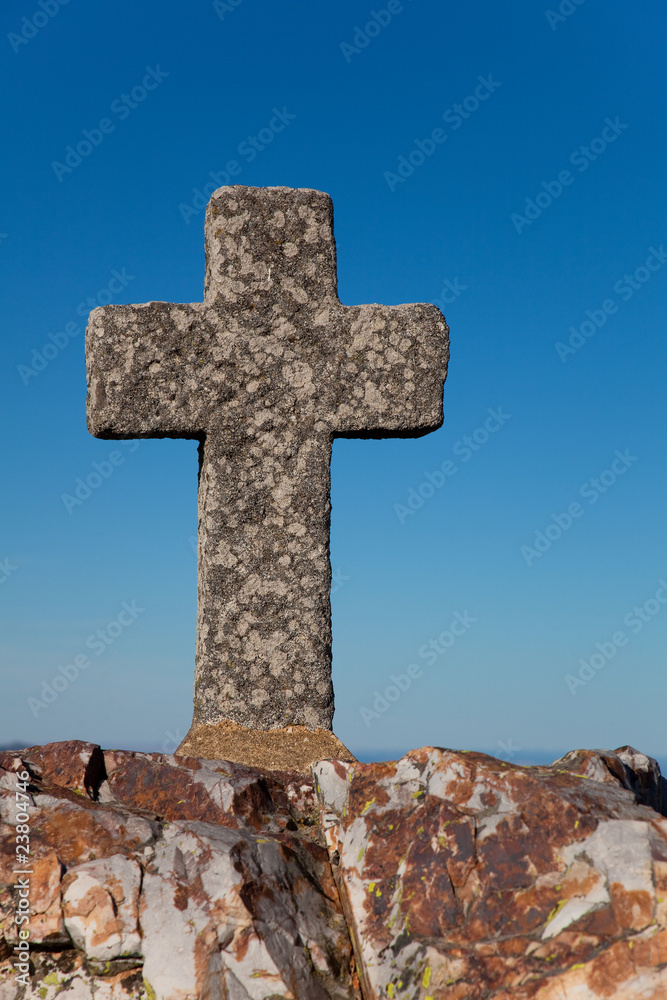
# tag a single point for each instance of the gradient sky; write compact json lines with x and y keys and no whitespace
{"x":536,"y":219}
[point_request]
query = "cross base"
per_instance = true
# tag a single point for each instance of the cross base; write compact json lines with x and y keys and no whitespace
{"x":293,"y":748}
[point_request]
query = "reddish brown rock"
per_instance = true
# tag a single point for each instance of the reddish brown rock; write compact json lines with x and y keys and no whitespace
{"x":166,"y":878}
{"x":47,"y":926}
{"x":464,"y":877}
{"x":457,"y":876}
{"x":76,"y":765}
{"x":213,"y":791}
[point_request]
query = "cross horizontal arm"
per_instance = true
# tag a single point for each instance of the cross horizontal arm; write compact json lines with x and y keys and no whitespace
{"x":388,"y":372}
{"x":146,"y":370}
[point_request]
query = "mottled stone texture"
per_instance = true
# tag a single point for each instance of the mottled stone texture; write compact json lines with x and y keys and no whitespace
{"x":265,"y":373}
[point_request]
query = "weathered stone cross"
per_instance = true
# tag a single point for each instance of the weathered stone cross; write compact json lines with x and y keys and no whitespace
{"x":265,"y":372}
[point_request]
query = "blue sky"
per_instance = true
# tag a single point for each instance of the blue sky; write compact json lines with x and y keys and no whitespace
{"x":534,"y":215}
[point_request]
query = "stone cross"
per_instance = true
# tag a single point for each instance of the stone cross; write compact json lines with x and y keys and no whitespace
{"x":264,"y":373}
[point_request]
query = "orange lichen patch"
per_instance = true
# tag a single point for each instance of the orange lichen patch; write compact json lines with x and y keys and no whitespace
{"x":633,"y":909}
{"x":660,"y":876}
{"x":650,"y":948}
{"x":46,"y":917}
{"x":77,"y":833}
{"x":580,"y":879}
{"x":101,"y":906}
{"x":46,"y":922}
{"x":609,"y":970}
{"x":44,"y":882}
{"x":102,"y":912}
{"x":600,"y":922}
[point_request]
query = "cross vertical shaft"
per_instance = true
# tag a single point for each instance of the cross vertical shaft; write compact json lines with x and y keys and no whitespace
{"x":264,"y":616}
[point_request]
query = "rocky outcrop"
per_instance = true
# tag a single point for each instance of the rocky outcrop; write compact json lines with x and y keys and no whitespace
{"x":170,"y":878}
{"x":445,"y":875}
{"x":465,"y":877}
